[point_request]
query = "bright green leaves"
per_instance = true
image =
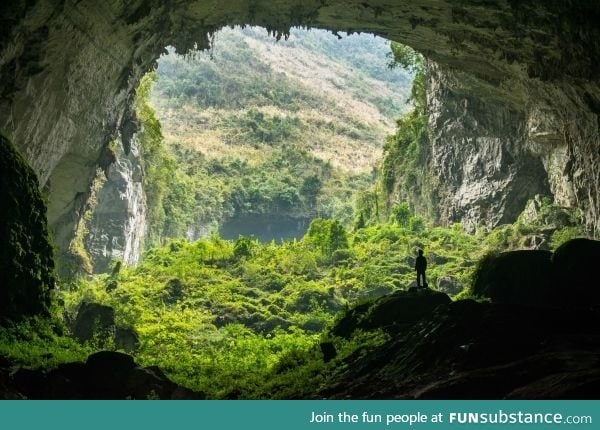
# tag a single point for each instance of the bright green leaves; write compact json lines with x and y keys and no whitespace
{"x":328,"y":236}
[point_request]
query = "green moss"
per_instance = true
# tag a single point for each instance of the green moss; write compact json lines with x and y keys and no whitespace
{"x":26,"y":255}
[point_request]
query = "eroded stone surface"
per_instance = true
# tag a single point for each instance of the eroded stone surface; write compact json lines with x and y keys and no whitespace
{"x":118,"y":225}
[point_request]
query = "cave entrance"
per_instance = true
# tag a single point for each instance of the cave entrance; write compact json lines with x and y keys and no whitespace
{"x":71,"y":74}
{"x":261,"y":136}
{"x":71,"y":70}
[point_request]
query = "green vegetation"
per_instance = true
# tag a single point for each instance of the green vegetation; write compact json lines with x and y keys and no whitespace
{"x":223,"y":316}
{"x":541,"y":219}
{"x":159,"y":166}
{"x":81,"y":261}
{"x":255,"y":128}
{"x":403,"y":173}
{"x":40,"y":342}
{"x":245,"y":319}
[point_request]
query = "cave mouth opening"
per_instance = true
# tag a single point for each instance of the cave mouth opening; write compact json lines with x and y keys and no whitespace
{"x":269,"y":134}
{"x":497,"y":64}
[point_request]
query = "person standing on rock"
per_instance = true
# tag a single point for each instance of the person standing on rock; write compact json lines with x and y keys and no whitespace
{"x":420,"y":267}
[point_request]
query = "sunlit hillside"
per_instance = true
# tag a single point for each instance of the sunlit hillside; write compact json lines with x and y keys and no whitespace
{"x":336,"y":98}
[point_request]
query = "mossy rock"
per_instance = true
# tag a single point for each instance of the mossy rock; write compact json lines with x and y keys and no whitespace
{"x":313,"y":325}
{"x":94,"y":319}
{"x":26,"y":255}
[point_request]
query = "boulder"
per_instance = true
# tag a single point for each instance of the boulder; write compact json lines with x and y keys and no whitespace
{"x":94,"y":319}
{"x":539,"y":278}
{"x":107,"y":372}
{"x":536,"y":242}
{"x":576,"y":264}
{"x":148,"y":383}
{"x":105,"y":375}
{"x":522,"y":277}
{"x":391,"y":313}
{"x":126,"y":339}
{"x":437,"y":259}
{"x":313,"y":326}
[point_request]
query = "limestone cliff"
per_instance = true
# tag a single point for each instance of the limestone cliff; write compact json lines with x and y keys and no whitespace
{"x":488,"y":155}
{"x":478,"y":156}
{"x":118,"y":224}
{"x":69,"y":70}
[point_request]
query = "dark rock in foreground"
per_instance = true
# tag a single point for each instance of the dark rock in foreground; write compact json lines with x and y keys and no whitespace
{"x":576,"y":263}
{"x":93,"y":319}
{"x":26,"y":255}
{"x":567,"y":277}
{"x":518,"y":277}
{"x":105,"y":375}
{"x":392,"y":312}
{"x":471,"y":350}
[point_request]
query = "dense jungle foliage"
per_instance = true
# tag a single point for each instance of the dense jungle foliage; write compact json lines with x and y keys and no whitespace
{"x":245,"y":319}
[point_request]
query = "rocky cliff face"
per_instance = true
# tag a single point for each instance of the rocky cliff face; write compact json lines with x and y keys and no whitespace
{"x":26,"y":260}
{"x":489,"y":154}
{"x":69,"y":71}
{"x":118,"y":224}
{"x":484,"y":171}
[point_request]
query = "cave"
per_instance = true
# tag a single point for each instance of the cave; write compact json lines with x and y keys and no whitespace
{"x":513,"y":89}
{"x":513,"y":96}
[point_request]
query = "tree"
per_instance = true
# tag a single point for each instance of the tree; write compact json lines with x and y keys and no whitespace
{"x":406,"y":57}
{"x":360,"y":221}
{"x":327,"y":235}
{"x":311,"y":187}
{"x":244,"y":247}
{"x":416,"y":224}
{"x":401,"y":214}
{"x":409,"y":59}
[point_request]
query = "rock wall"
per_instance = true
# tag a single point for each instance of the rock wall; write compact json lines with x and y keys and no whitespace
{"x":118,"y":224}
{"x":26,"y":257}
{"x":489,"y":154}
{"x":484,"y":172}
{"x":69,"y":70}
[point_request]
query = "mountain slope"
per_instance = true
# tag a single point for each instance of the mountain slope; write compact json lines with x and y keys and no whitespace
{"x":283,"y":130}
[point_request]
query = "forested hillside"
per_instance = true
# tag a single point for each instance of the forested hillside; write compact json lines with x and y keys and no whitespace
{"x":266,"y":135}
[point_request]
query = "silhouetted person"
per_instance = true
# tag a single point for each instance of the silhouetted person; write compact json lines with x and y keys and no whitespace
{"x":420,"y":267}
